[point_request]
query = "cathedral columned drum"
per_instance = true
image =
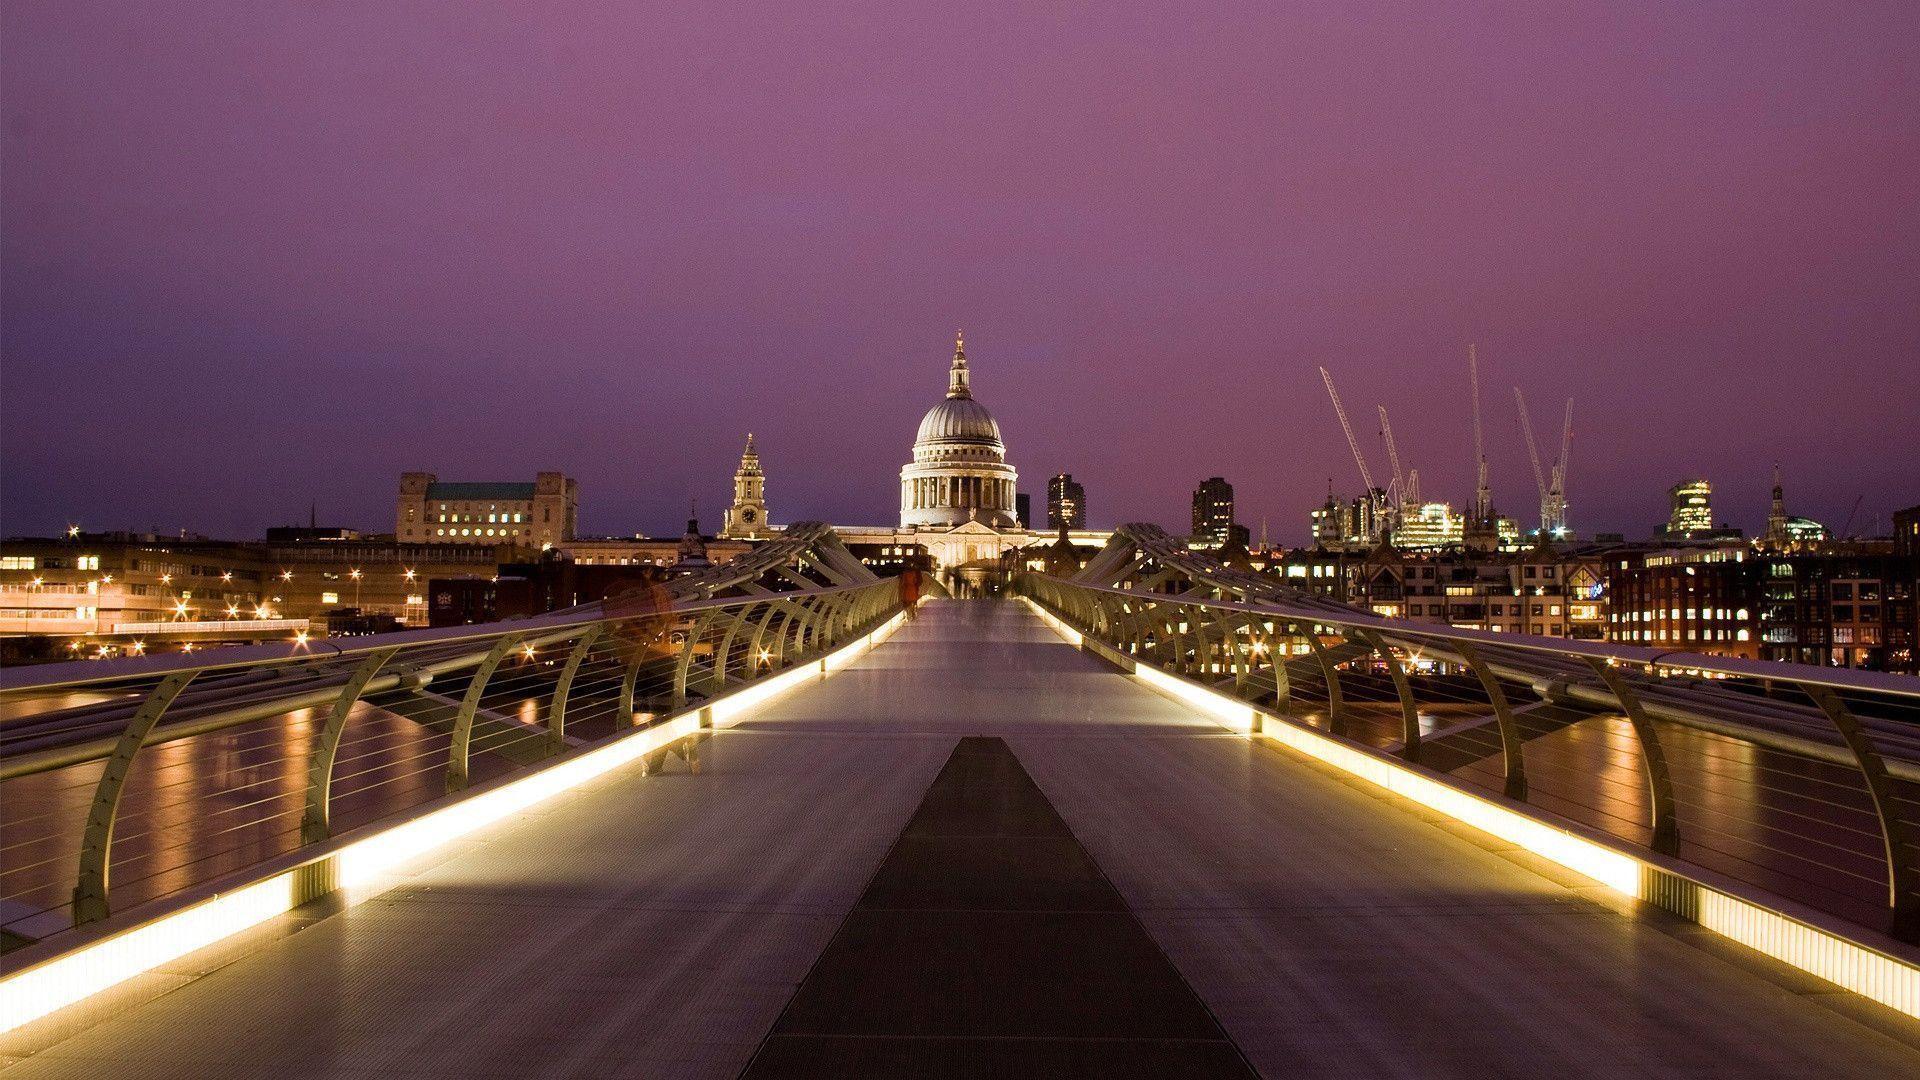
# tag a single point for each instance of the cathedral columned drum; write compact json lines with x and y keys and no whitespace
{"x":959,"y":472}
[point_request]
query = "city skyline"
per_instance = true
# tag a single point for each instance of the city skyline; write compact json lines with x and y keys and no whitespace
{"x":294,"y":267}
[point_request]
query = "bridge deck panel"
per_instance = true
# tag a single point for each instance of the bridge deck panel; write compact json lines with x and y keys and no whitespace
{"x":658,"y":927}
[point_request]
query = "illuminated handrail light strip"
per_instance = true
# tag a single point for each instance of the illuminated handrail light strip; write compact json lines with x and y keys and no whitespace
{"x":1845,"y":963}
{"x":71,"y":977}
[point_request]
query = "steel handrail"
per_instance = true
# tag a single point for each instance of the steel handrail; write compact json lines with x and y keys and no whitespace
{"x":331,"y":679}
{"x":1209,"y":637}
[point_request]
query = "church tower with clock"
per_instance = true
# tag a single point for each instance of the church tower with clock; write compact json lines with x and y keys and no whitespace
{"x":747,"y":517}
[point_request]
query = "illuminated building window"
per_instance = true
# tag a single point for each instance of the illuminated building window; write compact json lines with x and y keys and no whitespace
{"x":329,"y":597}
{"x":17,"y":562}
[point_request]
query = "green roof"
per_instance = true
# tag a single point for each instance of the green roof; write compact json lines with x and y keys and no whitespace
{"x":472,"y":492}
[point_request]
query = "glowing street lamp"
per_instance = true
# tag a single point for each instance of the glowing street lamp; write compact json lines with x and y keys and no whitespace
{"x":356,"y":576}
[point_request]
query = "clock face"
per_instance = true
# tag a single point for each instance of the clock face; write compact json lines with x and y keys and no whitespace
{"x":747,"y":515}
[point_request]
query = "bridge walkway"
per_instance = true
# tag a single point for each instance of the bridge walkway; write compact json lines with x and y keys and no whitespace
{"x":661,"y":926}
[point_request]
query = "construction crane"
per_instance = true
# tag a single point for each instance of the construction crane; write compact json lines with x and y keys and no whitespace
{"x":1553,"y":486}
{"x":1846,"y":531}
{"x":1405,"y":494}
{"x":1359,"y":459}
{"x":1557,"y":488}
{"x":1533,"y":454}
{"x":1398,"y":490}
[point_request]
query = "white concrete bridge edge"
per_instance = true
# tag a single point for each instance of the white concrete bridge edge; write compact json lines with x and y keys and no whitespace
{"x":1852,"y":958}
{"x":357,"y":866}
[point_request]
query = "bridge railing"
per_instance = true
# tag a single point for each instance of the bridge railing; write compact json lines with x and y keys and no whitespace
{"x":124,"y":781}
{"x":1802,"y":781}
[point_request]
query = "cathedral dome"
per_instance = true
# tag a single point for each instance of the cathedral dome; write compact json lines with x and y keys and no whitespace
{"x":959,"y":472}
{"x":960,"y":419}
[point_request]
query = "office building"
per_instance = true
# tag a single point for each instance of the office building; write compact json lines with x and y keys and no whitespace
{"x":536,"y":515}
{"x":1691,"y":509}
{"x":1213,"y":511}
{"x":1066,"y":503}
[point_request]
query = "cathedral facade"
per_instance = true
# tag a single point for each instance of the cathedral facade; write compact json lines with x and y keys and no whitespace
{"x":958,"y":493}
{"x":959,"y":472}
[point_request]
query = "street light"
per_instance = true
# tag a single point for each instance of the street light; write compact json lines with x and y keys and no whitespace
{"x":356,"y":576}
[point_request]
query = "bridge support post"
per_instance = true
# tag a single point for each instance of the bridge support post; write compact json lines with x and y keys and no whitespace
{"x":686,"y":657}
{"x":1512,"y":759}
{"x":1403,"y":687}
{"x":316,"y":822}
{"x":623,"y":709}
{"x":457,"y":775}
{"x":723,"y":653}
{"x":759,"y":634}
{"x":1282,"y":681}
{"x":809,"y":615}
{"x":90,"y":890}
{"x":1660,"y":808}
{"x":1239,"y":654}
{"x":1336,"y":704}
{"x":1896,"y":832}
{"x":789,"y":613}
{"x":557,"y":708}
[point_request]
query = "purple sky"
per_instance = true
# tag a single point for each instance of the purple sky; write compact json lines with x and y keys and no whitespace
{"x":262,"y":254}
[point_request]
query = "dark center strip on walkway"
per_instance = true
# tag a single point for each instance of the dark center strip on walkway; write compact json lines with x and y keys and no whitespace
{"x":989,"y":943}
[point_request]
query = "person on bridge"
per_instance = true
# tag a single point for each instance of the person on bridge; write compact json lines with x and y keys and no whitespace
{"x":910,"y":590}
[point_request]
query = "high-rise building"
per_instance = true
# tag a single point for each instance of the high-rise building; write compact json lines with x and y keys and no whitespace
{"x":1023,"y":509}
{"x":539,"y":514}
{"x":1906,"y":531}
{"x":746,"y":519}
{"x":1213,"y":510}
{"x":1066,"y":503}
{"x":1692,"y":508}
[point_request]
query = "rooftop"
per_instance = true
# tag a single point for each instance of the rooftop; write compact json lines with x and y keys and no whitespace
{"x":469,"y":492}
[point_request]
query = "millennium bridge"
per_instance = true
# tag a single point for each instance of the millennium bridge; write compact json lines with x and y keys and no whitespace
{"x":1158,"y":818}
